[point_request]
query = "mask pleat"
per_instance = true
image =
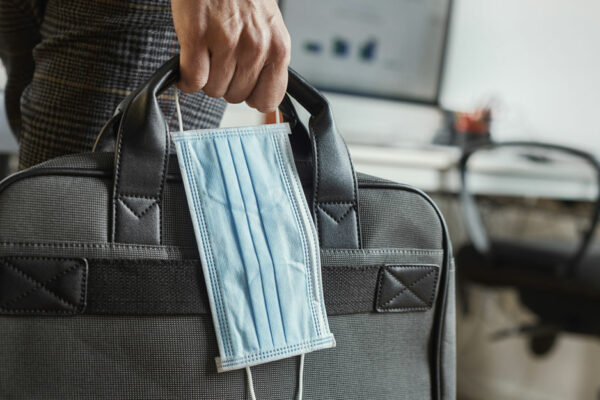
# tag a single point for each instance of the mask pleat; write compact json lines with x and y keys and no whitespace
{"x":256,"y":190}
{"x":212,"y":192}
{"x":245,"y":244}
{"x":275,"y":206}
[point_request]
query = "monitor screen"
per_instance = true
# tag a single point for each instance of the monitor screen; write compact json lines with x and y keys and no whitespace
{"x":381,"y":48}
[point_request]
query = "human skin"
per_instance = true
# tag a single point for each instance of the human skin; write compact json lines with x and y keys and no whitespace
{"x":236,"y":49}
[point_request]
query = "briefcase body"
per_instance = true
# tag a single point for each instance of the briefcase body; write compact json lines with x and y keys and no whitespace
{"x":102,"y":294}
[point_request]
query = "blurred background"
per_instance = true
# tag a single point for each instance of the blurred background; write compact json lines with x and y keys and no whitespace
{"x":434,"y":93}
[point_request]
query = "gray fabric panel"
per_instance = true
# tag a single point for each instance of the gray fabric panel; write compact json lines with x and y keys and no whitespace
{"x":98,"y":161}
{"x":177,"y":224}
{"x":389,"y":218}
{"x":89,"y":357}
{"x":53,"y":208}
{"x":398,"y":219}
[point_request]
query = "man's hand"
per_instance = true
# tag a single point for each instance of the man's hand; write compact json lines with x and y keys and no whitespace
{"x":237,"y":49}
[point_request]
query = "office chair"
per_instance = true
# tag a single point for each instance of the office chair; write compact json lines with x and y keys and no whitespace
{"x":558,"y":281}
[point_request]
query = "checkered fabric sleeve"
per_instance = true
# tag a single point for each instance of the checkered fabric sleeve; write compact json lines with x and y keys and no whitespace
{"x":70,"y":62}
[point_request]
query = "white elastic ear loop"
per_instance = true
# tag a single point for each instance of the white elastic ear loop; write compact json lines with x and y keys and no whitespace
{"x":300,"y":373}
{"x":250,"y":384}
{"x":178,"y":109}
{"x":277,"y":116}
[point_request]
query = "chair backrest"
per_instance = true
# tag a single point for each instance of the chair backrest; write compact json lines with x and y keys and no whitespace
{"x":530,"y":170}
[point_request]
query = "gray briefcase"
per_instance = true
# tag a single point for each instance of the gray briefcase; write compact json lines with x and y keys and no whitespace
{"x":102,"y":294}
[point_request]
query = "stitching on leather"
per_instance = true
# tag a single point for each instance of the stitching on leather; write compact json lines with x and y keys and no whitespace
{"x":337,"y":220}
{"x":317,"y":180}
{"x":366,"y":252}
{"x":38,"y":285}
{"x":107,"y":246}
{"x":138,"y":196}
{"x":117,"y":188}
{"x":355,"y":199}
{"x":162,"y":182}
{"x":139,"y":215}
{"x":406,"y":287}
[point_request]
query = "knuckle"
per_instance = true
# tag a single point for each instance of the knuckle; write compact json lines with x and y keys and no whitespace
{"x":228,"y":40}
{"x":281,"y":50}
{"x":258,"y":42}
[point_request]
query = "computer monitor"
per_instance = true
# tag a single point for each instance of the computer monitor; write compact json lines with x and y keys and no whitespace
{"x":381,"y":48}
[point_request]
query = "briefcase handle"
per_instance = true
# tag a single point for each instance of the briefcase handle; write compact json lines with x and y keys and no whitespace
{"x":142,"y":155}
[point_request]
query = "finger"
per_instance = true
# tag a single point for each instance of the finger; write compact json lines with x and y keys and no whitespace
{"x":251,"y":58}
{"x":222,"y":65}
{"x":272,"y":82}
{"x":194,"y":67}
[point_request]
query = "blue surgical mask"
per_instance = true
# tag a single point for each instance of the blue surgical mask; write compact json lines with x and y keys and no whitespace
{"x":257,"y":242}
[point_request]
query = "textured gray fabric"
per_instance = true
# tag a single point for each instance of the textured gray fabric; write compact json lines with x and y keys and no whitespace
{"x":383,"y":223}
{"x":392,"y":218}
{"x":99,"y":161}
{"x":379,"y":356}
{"x":177,"y":224}
{"x":89,"y":357}
{"x":45,"y":209}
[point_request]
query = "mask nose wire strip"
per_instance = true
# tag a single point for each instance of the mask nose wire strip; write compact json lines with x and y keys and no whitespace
{"x":178,"y":108}
{"x":250,"y":384}
{"x":300,"y":375}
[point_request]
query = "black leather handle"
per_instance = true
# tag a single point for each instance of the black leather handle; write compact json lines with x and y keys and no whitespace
{"x":141,"y":157}
{"x":335,"y":191}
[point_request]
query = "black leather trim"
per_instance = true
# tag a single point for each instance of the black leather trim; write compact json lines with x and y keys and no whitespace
{"x":42,"y":286}
{"x":406,"y":288}
{"x":334,"y":179}
{"x":141,"y":158}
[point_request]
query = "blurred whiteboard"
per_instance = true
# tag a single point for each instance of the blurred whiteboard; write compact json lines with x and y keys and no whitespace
{"x":383,"y":48}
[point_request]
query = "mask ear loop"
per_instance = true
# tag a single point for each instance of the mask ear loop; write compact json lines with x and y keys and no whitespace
{"x":250,"y":384}
{"x":277,"y":116}
{"x":178,"y":109}
{"x":300,"y":373}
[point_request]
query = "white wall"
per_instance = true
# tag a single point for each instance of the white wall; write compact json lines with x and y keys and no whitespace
{"x":539,"y":58}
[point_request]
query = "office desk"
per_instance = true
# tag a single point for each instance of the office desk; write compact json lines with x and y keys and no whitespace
{"x":434,"y":170}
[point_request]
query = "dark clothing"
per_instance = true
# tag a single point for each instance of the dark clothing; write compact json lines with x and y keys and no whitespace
{"x":70,"y":62}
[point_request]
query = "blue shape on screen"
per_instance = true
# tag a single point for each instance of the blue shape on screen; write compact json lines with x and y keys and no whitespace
{"x":341,"y":47}
{"x":313,"y":47}
{"x":368,"y":51}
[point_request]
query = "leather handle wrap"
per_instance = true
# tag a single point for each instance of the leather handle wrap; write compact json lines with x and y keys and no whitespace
{"x":141,"y":157}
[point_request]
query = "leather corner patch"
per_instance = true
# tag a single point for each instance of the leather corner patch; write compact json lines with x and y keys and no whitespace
{"x":42,"y":286}
{"x":406,"y":288}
